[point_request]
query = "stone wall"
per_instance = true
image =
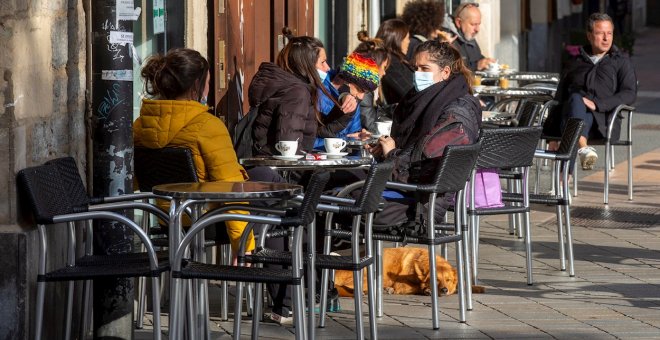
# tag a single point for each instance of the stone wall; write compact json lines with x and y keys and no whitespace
{"x":42,"y":116}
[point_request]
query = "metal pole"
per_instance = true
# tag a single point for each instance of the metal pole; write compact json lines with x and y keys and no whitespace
{"x":112,"y":114}
{"x":374,"y":17}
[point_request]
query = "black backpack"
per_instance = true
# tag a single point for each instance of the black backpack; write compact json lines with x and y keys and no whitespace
{"x":243,"y":134}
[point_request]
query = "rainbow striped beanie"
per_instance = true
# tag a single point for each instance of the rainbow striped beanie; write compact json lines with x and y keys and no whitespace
{"x":360,"y":70}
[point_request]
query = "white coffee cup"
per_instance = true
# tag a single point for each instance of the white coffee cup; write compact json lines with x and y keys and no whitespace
{"x":493,"y":67}
{"x":334,"y":145}
{"x":384,"y":128}
{"x":287,"y":148}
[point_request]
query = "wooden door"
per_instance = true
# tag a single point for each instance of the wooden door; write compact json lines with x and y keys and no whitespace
{"x":247,"y":33}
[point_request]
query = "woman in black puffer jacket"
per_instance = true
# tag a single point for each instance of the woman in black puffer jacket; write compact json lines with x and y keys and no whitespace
{"x":286,"y":94}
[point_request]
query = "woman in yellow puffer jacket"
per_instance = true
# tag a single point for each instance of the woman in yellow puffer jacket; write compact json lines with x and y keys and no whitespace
{"x":178,"y":117}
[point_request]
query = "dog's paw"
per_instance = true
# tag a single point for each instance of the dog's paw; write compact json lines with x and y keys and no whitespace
{"x":427,"y":291}
{"x":389,"y":290}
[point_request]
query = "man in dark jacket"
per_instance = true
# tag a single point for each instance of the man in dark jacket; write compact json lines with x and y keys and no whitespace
{"x":466,"y":23}
{"x":599,"y":79}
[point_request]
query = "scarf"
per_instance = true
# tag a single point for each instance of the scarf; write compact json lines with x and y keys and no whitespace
{"x":418,"y":112}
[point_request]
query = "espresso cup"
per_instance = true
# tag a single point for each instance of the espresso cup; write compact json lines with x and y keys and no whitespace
{"x":334,"y":145}
{"x":384,"y":128}
{"x":287,"y":148}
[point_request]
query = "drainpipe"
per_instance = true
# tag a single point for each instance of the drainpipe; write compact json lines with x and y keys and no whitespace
{"x":112,"y":151}
{"x":374,"y":17}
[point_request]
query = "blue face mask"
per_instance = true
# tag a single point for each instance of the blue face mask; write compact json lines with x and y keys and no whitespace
{"x":423,"y":80}
{"x":322,"y":74}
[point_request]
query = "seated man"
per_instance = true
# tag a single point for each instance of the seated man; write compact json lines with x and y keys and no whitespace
{"x":466,"y":22}
{"x":594,"y":83}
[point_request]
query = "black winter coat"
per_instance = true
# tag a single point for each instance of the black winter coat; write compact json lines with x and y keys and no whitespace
{"x":470,"y":51}
{"x":608,"y":83}
{"x":397,"y":81}
{"x":419,"y":115}
{"x":286,"y":111}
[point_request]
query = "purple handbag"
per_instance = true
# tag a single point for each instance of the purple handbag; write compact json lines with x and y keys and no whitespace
{"x":487,"y":189}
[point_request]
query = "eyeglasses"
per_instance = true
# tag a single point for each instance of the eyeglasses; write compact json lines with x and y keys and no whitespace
{"x":463,"y":6}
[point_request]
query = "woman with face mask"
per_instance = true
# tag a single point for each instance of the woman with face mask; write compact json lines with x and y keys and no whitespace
{"x":442,"y":111}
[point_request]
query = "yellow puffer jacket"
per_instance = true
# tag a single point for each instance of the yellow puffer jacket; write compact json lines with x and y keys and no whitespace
{"x":186,"y":123}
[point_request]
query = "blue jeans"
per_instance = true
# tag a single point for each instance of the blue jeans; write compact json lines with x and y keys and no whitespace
{"x":575,"y":108}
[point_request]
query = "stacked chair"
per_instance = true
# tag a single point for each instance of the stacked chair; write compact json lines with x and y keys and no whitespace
{"x":55,"y":194}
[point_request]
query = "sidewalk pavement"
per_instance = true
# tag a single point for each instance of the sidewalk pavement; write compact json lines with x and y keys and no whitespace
{"x":614,"y":295}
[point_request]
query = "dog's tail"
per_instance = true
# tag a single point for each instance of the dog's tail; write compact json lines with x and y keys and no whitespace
{"x":478,"y":289}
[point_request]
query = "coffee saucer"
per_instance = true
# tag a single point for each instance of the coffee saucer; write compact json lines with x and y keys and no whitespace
{"x":288,"y":158}
{"x":334,"y":155}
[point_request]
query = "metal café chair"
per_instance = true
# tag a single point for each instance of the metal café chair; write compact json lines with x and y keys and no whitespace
{"x":452,"y":171}
{"x":562,"y":159}
{"x":47,"y":191}
{"x":297,"y":219}
{"x":622,"y":112}
{"x":504,"y":148}
{"x":165,"y":166}
{"x":364,"y":206}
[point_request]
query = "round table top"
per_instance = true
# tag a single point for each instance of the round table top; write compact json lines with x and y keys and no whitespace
{"x":228,"y":190}
{"x":517,"y":75}
{"x":305,"y":164}
{"x":360,"y":142}
{"x":514,"y":92}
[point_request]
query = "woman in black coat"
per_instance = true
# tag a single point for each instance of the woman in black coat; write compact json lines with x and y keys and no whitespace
{"x":398,"y":78}
{"x":442,"y":111}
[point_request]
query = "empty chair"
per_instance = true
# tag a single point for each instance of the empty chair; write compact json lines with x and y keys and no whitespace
{"x":503,"y":149}
{"x":562,"y":159}
{"x":50,"y":202}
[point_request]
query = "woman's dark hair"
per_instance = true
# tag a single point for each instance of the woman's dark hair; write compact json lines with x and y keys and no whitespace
{"x":423,"y":16}
{"x":444,"y":54}
{"x":392,"y":32}
{"x":372,"y":47}
{"x":299,"y":57}
{"x":179,"y":72}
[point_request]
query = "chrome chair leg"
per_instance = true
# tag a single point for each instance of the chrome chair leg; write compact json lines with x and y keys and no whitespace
{"x":69,"y":309}
{"x":142,"y":301}
{"x":256,"y":309}
{"x":39,"y":317}
{"x":238,"y":304}
{"x":155,"y":295}
{"x":379,"y":278}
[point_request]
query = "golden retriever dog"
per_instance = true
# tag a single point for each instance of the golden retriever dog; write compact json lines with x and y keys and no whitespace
{"x":406,"y":272}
